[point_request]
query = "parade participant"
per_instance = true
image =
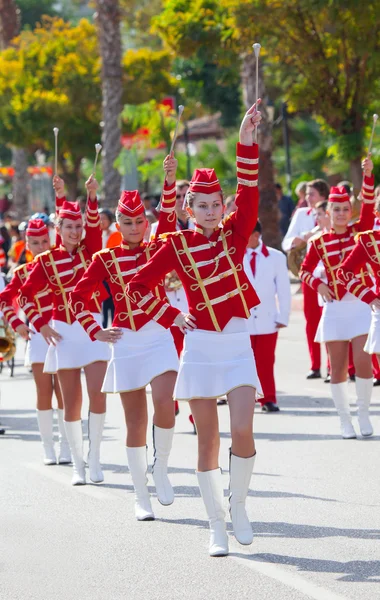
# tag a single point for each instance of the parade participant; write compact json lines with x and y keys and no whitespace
{"x":267,"y":271}
{"x":37,"y":241}
{"x":70,"y":350}
{"x":344,"y":318}
{"x":299,"y":232}
{"x":217,"y":357}
{"x":173,"y":286}
{"x":143,"y":351}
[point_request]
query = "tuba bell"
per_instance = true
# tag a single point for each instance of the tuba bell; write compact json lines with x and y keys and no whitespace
{"x":297,"y":255}
{"x":7,"y":341}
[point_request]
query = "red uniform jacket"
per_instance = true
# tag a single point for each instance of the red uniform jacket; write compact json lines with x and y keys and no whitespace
{"x":61,"y":271}
{"x":366,"y":252}
{"x":210,"y":269}
{"x":117,"y":266}
{"x":331,"y":248}
{"x":43,"y":299}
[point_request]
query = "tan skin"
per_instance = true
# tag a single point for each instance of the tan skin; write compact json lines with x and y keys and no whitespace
{"x":46,"y":384}
{"x":340,"y":215}
{"x":207,"y":210}
{"x":312,"y":198}
{"x":70,"y":379}
{"x":134,"y":403}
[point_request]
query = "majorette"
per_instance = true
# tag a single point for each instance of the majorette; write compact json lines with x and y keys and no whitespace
{"x":70,"y":349}
{"x":37,"y":241}
{"x":143,"y":350}
{"x":344,"y":317}
{"x":217,"y":357}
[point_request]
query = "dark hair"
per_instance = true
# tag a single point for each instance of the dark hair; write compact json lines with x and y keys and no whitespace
{"x":182,"y":183}
{"x":109,"y":214}
{"x":257,"y":227}
{"x":322,"y":204}
{"x":278,"y":186}
{"x":321,"y":186}
{"x":191,"y":196}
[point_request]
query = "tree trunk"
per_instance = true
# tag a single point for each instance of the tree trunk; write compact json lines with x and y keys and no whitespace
{"x":356,"y":174}
{"x":20,"y":183}
{"x":108,"y":22}
{"x":268,"y":208}
{"x":9,"y":22}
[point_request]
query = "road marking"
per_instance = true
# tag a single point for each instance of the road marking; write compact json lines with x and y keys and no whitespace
{"x":288,"y":578}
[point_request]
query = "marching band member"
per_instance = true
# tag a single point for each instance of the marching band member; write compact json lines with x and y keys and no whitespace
{"x":299,"y":232}
{"x":37,"y":241}
{"x":143,"y":351}
{"x":344,"y":317}
{"x":217,"y":357}
{"x":70,"y":349}
{"x":267,"y":271}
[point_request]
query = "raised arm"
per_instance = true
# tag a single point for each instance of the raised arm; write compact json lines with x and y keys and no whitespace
{"x":167,"y":220}
{"x":93,"y":237}
{"x":59,"y":189}
{"x":367,"y":213}
{"x":140,"y":286}
{"x":244,"y":218}
{"x":81,"y":296}
{"x":348,"y":273}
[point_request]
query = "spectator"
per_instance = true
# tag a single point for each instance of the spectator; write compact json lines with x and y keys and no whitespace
{"x":230,"y":205}
{"x":286,"y":208}
{"x":301,"y":194}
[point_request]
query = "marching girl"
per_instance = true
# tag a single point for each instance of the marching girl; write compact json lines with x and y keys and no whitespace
{"x":37,"y":241}
{"x":70,"y":349}
{"x":344,"y":317}
{"x":217,"y":357}
{"x":143,"y":350}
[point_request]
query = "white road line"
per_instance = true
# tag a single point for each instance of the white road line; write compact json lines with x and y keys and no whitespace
{"x":288,"y":578}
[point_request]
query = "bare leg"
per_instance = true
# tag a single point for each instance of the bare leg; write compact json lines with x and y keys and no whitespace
{"x":44,"y":385}
{"x":136,"y":417}
{"x":241,"y":402}
{"x":162,"y":396}
{"x":206,"y":420}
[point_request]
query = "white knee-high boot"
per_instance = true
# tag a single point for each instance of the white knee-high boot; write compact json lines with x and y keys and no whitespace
{"x":75,"y":437}
{"x":162,"y":442}
{"x":364,"y":392}
{"x":240,"y":476}
{"x":339,"y":394}
{"x":211,"y":488}
{"x":64,"y":457}
{"x":45,"y":425}
{"x":95,"y":433}
{"x":138,"y":466}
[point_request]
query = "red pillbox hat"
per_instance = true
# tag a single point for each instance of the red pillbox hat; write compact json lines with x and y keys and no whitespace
{"x":205,"y":181}
{"x":338,"y":194}
{"x":130,"y":204}
{"x":70,"y":210}
{"x":36,"y":228}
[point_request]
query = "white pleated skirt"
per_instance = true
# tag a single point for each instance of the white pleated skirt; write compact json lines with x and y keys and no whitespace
{"x":215,"y":363}
{"x":343,"y":320}
{"x":76,"y":349}
{"x":138,"y":357}
{"x":36,"y":349}
{"x":372,"y":345}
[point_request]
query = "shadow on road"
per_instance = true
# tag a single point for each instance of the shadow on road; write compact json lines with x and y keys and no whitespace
{"x":354,"y":570}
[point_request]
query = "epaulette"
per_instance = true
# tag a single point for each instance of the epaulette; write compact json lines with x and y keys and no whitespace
{"x":46,"y":253}
{"x":228,"y":217}
{"x":104,"y":251}
{"x":316,"y":236}
{"x":360,"y":233}
{"x":165,"y":236}
{"x":20,"y":268}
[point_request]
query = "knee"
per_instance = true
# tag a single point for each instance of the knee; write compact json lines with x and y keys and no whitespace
{"x":242,"y":430}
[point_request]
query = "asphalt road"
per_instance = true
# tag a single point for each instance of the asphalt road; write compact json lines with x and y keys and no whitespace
{"x":314,"y":504}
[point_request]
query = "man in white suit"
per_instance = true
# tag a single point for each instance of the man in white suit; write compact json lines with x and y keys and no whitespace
{"x":267,"y":271}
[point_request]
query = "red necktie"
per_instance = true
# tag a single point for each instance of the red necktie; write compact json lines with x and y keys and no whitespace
{"x":253,"y":263}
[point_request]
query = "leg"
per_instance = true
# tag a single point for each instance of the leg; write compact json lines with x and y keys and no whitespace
{"x":64,"y":457}
{"x":312,"y":312}
{"x":45,"y":413}
{"x":264,"y":349}
{"x":69,"y":381}
{"x":163,"y":432}
{"x":364,"y":384}
{"x":136,"y":418}
{"x":95,"y":374}
{"x":242,"y":459}
{"x":338,"y":352}
{"x":209,"y":475}
{"x":178,"y":338}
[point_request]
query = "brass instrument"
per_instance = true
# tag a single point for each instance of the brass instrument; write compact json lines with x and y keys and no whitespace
{"x":297,"y":255}
{"x":172,"y":282}
{"x":7,"y":341}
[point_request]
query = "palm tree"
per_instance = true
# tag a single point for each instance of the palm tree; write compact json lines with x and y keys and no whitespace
{"x":268,"y":209}
{"x":9,"y":28}
{"x":108,"y":22}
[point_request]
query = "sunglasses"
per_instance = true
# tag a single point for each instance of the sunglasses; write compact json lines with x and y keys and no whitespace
{"x":178,"y":196}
